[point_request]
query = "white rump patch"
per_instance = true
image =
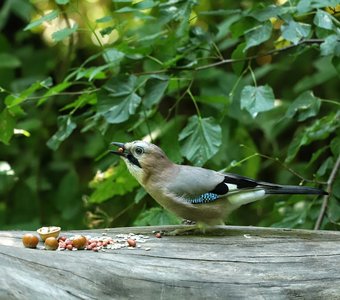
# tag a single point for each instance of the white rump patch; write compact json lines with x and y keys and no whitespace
{"x":244,"y":197}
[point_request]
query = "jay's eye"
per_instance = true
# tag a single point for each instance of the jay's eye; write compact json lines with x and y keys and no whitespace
{"x":139,"y":150}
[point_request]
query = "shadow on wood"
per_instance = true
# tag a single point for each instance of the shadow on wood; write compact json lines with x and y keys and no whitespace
{"x":230,"y":263}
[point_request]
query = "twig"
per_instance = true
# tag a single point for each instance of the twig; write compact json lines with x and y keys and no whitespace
{"x":179,"y":99}
{"x":229,"y":61}
{"x":325,"y":200}
{"x":270,"y":52}
{"x":285,"y":166}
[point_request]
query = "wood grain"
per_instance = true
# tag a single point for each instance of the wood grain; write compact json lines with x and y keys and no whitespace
{"x":226,"y":263}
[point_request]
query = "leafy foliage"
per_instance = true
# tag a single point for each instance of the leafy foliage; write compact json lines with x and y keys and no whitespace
{"x":247,"y":87}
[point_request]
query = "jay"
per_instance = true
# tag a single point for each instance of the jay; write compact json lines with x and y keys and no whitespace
{"x":194,"y":193}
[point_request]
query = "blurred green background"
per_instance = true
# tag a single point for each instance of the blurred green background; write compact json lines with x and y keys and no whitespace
{"x":250,"y":87}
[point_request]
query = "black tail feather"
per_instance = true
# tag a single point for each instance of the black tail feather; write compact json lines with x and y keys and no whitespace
{"x":292,"y":189}
{"x":271,"y":188}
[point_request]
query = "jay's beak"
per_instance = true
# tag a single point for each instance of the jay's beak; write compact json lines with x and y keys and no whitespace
{"x":121,"y":149}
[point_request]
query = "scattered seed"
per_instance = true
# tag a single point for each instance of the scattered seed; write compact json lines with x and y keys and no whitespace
{"x":103,"y":242}
{"x":131,"y":242}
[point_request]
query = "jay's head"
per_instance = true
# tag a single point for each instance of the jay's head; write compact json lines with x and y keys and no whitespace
{"x":142,"y":158}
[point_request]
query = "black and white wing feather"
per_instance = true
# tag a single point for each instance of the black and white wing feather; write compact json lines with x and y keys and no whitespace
{"x":198,"y":185}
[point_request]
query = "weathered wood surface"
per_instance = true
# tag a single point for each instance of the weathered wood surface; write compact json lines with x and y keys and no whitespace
{"x":234,"y":263}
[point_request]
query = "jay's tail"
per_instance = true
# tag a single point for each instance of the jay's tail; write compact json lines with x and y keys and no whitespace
{"x":270,"y":188}
{"x":273,"y":189}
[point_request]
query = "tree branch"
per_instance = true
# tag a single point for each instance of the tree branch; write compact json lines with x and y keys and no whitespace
{"x":229,"y":61}
{"x":325,"y":200}
{"x":270,"y":52}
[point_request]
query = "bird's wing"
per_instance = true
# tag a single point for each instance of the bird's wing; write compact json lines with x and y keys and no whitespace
{"x":198,"y":185}
{"x":190,"y":181}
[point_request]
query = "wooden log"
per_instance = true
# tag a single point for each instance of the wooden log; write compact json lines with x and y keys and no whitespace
{"x":226,"y":263}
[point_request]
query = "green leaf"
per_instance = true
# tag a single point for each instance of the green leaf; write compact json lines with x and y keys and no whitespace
{"x":104,"y":19}
{"x":107,"y":30}
{"x":239,"y":27}
{"x":113,"y":56}
{"x":323,"y":19}
{"x":201,"y":139}
{"x":81,"y":101}
{"x":336,"y":64}
{"x":156,"y":216}
{"x":268,"y":12}
{"x":140,"y":194}
{"x":316,"y":155}
{"x":319,"y":130}
{"x":306,"y":106}
{"x":7,"y":123}
{"x":327,"y":164}
{"x":333,"y":209}
{"x":54,"y":91}
{"x":336,"y":188}
{"x":238,"y":53}
{"x":154,"y":91}
{"x":257,"y":35}
{"x":294,"y":219}
{"x":295,"y":31}
{"x":49,"y":17}
{"x":65,"y":128}
{"x":184,"y":18}
{"x":64,"y":33}
{"x":9,"y":61}
{"x":331,"y":46}
{"x":135,"y":7}
{"x":92,"y":72}
{"x":257,"y":99}
{"x":304,"y":6}
{"x":335,"y":146}
{"x":13,"y":101}
{"x":117,"y":181}
{"x":62,"y":2}
{"x":119,"y":99}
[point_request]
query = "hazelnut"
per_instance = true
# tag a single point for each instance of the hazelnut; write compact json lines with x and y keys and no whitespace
{"x":30,"y":241}
{"x":79,"y":242}
{"x":51,"y":243}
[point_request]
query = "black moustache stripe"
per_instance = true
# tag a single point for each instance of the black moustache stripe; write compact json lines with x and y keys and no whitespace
{"x":133,"y":160}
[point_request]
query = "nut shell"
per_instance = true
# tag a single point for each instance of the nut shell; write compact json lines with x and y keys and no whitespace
{"x":51,"y":243}
{"x":30,"y":241}
{"x":49,"y":231}
{"x":79,"y":242}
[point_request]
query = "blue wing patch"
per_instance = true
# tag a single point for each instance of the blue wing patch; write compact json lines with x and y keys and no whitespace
{"x":204,"y":198}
